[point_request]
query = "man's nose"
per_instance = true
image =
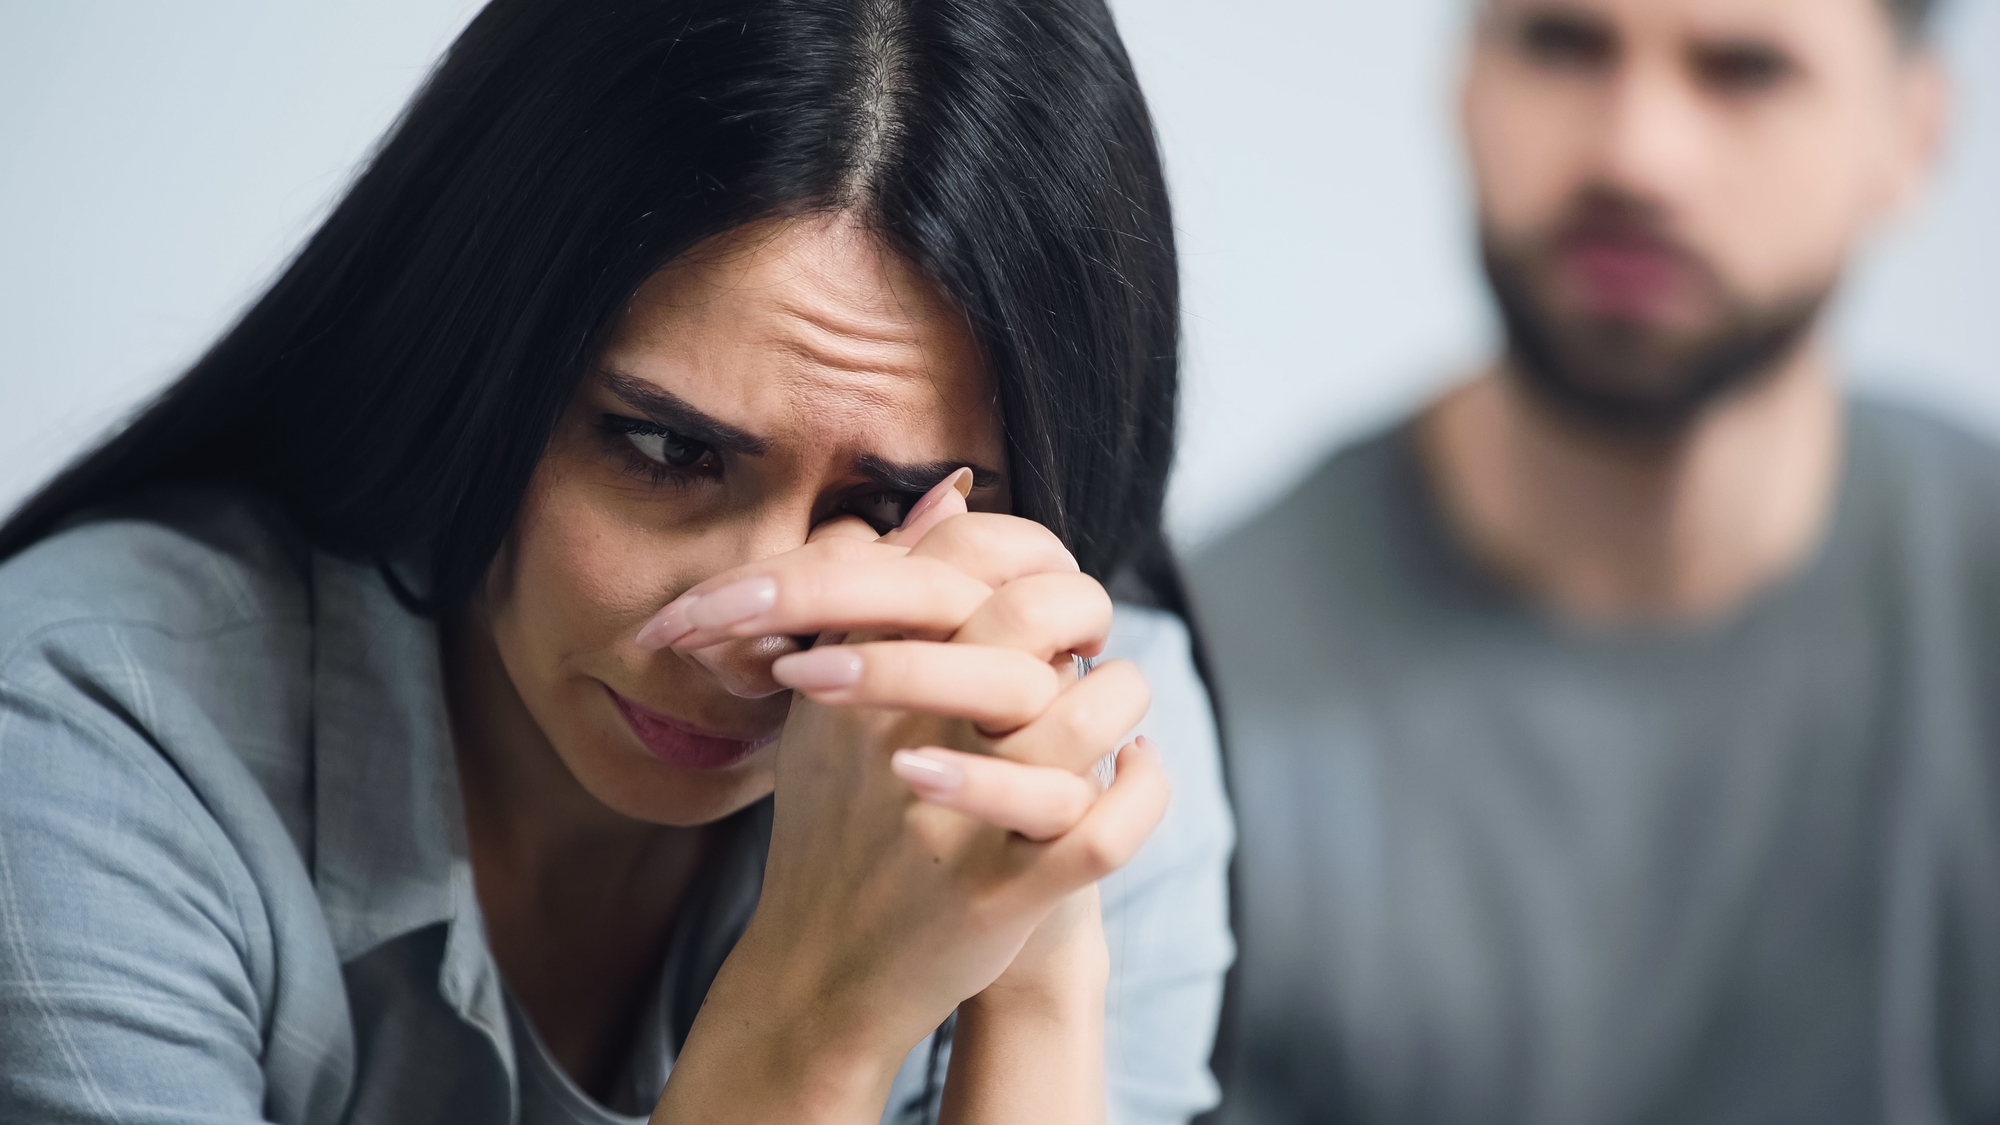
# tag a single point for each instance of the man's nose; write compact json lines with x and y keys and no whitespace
{"x":1651,"y":145}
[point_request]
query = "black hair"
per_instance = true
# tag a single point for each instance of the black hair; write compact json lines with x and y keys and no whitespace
{"x":1911,"y":17}
{"x":393,"y":390}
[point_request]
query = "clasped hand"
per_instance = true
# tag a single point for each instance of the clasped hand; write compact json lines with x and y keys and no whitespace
{"x":936,"y":797}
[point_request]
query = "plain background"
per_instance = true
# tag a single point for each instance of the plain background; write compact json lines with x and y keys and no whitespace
{"x":158,"y":162}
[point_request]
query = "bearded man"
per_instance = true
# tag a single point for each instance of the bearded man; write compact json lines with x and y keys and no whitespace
{"x":1618,"y":740}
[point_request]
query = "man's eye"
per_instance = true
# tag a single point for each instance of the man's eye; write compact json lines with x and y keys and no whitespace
{"x":1565,"y":40}
{"x":884,"y":511}
{"x":1741,"y":68}
{"x":656,"y":443}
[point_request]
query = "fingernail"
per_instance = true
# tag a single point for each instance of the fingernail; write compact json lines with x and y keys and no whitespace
{"x":929,"y":501}
{"x":668,"y":625}
{"x":738,"y":601}
{"x":924,"y":773}
{"x":960,"y":481}
{"x":819,"y":669}
{"x":1146,"y":746}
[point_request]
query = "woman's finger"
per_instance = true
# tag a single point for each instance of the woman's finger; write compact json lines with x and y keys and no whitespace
{"x":737,"y":594}
{"x":995,"y":548}
{"x":844,"y":527}
{"x":945,"y":500}
{"x":999,"y":689}
{"x":675,"y":620}
{"x":907,"y":595}
{"x":1043,"y":614}
{"x":1085,"y":722}
{"x":1117,"y":823}
{"x":1038,"y":802}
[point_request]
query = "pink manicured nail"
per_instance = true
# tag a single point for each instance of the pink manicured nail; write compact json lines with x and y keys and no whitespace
{"x":819,"y":669}
{"x":929,"y":501}
{"x":736,"y":602}
{"x":668,"y":625}
{"x":926,"y":774}
{"x":960,"y":481}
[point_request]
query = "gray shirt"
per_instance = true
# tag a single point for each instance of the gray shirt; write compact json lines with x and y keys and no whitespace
{"x":233,"y":873}
{"x":1497,"y":870}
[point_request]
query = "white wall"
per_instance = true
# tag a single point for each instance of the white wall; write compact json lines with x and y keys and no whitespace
{"x":159,"y":161}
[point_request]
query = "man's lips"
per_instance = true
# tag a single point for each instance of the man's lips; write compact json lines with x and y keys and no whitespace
{"x":678,"y":744}
{"x":1624,"y":277}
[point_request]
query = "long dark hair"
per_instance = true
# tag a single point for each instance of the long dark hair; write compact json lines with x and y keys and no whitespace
{"x":394,"y":389}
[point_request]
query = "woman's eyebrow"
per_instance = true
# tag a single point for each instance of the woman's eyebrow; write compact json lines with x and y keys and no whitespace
{"x":921,"y":476}
{"x":671,"y":412}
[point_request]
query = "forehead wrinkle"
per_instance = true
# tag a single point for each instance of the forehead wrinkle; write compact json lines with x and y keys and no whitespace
{"x":853,"y":394}
{"x":886,"y":350}
{"x":898,"y":328}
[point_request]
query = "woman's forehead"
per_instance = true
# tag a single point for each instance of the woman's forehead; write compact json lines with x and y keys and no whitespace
{"x":809,"y":324}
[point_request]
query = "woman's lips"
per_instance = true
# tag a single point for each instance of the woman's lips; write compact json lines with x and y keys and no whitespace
{"x":678,"y":744}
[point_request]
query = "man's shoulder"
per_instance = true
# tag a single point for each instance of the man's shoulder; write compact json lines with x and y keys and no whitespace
{"x":1316,"y":577}
{"x":1344,"y":499}
{"x":1911,"y":436}
{"x":1921,"y":469}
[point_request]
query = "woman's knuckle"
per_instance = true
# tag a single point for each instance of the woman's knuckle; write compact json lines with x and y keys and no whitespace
{"x":970,"y":536}
{"x":1076,"y":727}
{"x":1128,"y":682}
{"x":843,"y":550}
{"x":1025,"y":615}
{"x":1046,"y":688}
{"x":1098,"y":851}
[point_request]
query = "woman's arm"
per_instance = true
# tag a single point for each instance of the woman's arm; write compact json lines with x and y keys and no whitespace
{"x":1031,"y":1047}
{"x":126,"y":989}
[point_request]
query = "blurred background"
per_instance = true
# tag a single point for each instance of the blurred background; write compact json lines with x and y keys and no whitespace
{"x":159,"y":162}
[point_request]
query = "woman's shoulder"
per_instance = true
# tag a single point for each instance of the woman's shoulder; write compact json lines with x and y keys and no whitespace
{"x":176,"y":561}
{"x":155,"y":734}
{"x":167,"y":641}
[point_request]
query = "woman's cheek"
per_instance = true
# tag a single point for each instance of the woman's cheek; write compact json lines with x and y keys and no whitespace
{"x":593,"y":574}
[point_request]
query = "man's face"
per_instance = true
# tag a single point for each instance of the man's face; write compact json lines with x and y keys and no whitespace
{"x":1668,"y":189}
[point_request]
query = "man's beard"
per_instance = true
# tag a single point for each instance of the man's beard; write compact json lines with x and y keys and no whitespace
{"x":1628,"y":378}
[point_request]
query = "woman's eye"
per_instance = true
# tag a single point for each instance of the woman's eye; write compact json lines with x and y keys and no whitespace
{"x":667,"y":447}
{"x":884,"y":511}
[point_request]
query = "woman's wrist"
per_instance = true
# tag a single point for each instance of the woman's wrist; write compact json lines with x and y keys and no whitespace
{"x":1059,"y":987}
{"x":1031,"y":1048}
{"x":1063,"y":968}
{"x":768,"y":1046}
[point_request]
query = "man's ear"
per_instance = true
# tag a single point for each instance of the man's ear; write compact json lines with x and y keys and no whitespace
{"x":1923,"y":117}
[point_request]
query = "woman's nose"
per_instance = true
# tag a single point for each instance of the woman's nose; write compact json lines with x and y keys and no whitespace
{"x":743,"y":667}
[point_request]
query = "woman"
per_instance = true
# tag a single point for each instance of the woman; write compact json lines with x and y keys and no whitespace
{"x":694,"y":401}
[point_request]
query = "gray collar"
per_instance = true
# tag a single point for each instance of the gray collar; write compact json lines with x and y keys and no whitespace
{"x":389,"y":843}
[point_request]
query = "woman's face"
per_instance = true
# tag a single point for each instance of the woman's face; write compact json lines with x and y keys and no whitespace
{"x":776,"y":379}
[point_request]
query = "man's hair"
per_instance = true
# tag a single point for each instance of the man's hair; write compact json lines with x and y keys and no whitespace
{"x":1912,"y":17}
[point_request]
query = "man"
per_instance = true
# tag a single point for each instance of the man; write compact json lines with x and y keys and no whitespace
{"x":1619,"y":739}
